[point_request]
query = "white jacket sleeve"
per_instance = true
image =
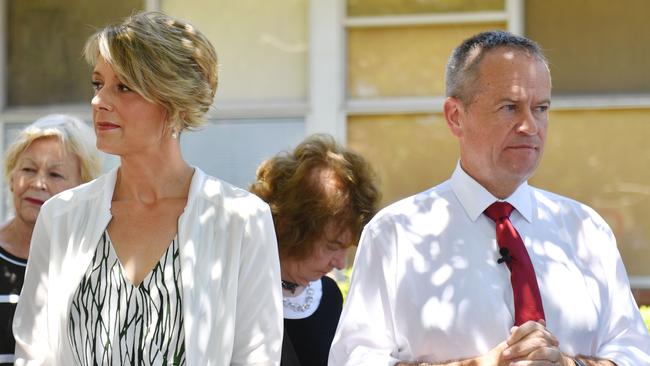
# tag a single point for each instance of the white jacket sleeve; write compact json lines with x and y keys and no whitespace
{"x":365,"y":334}
{"x":259,"y":319}
{"x":30,"y":324}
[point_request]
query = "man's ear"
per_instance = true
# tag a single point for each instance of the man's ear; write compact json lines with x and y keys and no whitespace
{"x":453,"y":110}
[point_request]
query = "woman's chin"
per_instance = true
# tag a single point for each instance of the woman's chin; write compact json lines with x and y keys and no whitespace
{"x":317,"y":276}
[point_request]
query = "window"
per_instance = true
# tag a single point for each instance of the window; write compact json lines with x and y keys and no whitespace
{"x":262,"y":45}
{"x":403,"y":61}
{"x":395,"y":7}
{"x":45,"y":42}
{"x":593,"y":46}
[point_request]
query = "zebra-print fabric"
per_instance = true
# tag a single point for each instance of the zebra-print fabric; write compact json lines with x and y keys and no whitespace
{"x":113,"y":322}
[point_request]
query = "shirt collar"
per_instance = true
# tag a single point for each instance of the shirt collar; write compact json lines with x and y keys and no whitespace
{"x":475,"y":198}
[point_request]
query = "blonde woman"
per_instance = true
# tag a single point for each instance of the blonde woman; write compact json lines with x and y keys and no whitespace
{"x":55,"y":153}
{"x":155,"y":262}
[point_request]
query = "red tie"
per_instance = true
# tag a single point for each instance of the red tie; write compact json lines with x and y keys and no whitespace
{"x":528,"y":301}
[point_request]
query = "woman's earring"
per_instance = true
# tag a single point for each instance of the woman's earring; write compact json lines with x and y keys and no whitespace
{"x":174,"y":132}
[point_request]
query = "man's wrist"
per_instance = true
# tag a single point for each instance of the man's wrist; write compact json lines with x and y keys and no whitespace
{"x":578,"y":362}
{"x":571,"y":361}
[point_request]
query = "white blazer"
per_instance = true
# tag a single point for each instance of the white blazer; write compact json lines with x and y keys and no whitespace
{"x":232,"y":299}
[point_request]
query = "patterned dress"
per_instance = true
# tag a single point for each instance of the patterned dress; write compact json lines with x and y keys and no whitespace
{"x":113,"y":322}
{"x":12,"y":274}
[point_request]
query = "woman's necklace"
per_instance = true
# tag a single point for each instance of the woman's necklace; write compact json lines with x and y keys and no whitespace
{"x":309,"y":299}
{"x":289,"y":286}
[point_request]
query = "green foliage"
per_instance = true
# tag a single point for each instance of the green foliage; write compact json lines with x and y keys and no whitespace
{"x":344,"y":284}
{"x":645,"y":313}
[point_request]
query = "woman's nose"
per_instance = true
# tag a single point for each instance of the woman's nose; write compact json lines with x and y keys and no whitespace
{"x":39,"y":181}
{"x":101,"y":100}
{"x":338,"y":261}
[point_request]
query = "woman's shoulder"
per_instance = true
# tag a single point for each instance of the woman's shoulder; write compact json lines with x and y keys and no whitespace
{"x":329,"y":284}
{"x":94,"y":190}
{"x":217,"y":191}
{"x":331,"y":290}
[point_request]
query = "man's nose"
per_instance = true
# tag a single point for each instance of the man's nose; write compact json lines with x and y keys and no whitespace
{"x":528,"y":124}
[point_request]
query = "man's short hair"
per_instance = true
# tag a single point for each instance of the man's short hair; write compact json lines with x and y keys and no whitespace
{"x":463,"y":64}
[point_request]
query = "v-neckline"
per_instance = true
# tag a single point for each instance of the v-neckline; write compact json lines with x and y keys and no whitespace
{"x":151,"y":271}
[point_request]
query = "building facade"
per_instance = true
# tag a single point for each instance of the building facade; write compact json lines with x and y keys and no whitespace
{"x":371,"y":73}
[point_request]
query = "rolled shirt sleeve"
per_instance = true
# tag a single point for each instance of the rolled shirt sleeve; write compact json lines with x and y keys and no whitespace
{"x":365,"y":334}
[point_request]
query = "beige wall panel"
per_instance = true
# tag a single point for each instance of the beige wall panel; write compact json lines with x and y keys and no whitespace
{"x":593,"y":45}
{"x":262,"y":45}
{"x":403,"y":61}
{"x":394,"y":7}
{"x":409,"y":152}
{"x":601,"y":158}
{"x":596,"y":157}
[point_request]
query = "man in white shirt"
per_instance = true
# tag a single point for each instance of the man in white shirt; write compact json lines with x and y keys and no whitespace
{"x":427,"y":287}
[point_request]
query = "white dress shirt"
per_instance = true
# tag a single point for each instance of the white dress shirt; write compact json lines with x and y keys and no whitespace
{"x":232,"y":299}
{"x":426,"y":284}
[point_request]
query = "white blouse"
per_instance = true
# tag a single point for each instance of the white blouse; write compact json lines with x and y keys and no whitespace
{"x":232,"y":299}
{"x":113,"y":322}
{"x":305,"y":303}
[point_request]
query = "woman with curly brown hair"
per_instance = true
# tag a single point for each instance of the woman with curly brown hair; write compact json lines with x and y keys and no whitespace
{"x":321,"y":195}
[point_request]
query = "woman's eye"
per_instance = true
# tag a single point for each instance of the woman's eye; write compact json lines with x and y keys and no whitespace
{"x":333,"y":247}
{"x":56,"y":175}
{"x":96,"y":85}
{"x":123,"y":88}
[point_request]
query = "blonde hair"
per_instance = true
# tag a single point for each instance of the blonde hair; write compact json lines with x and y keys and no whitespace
{"x":166,"y":60}
{"x":72,"y":132}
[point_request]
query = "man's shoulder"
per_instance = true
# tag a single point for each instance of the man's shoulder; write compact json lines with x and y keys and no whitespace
{"x":548,"y":198}
{"x":210,"y":192}
{"x":423,"y":203}
{"x":563,"y":205}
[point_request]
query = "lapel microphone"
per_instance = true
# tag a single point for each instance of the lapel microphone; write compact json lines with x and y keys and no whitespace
{"x":505,"y":256}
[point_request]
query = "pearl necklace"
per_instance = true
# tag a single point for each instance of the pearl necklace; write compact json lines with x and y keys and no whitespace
{"x":309,"y":299}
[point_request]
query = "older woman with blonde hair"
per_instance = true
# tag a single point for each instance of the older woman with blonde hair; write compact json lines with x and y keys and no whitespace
{"x":55,"y":153}
{"x":321,"y":195}
{"x":156,"y":262}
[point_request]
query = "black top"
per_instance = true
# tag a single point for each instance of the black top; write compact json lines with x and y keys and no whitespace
{"x":12,"y":275}
{"x":311,"y":337}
